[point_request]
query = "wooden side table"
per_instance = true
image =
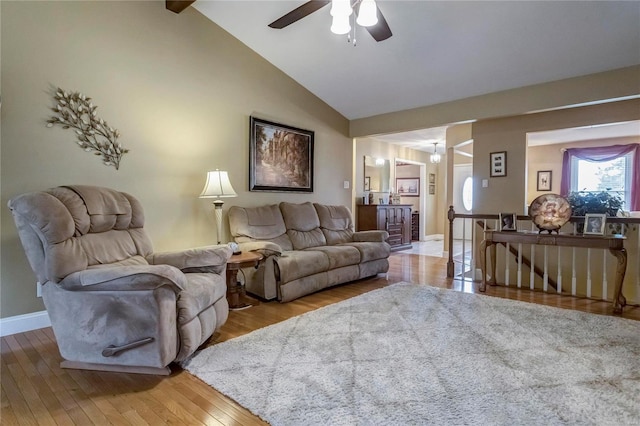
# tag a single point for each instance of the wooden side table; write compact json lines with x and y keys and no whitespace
{"x":236,"y":295}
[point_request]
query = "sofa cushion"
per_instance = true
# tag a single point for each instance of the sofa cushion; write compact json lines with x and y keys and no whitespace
{"x":339,"y":256}
{"x":303,"y":225}
{"x":263,"y":223}
{"x":336,"y":223}
{"x":297,"y":264}
{"x":371,"y":251}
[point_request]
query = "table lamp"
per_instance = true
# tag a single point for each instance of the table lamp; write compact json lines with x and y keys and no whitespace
{"x":218,"y":186}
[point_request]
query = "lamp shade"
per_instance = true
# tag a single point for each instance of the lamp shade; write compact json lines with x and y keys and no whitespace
{"x":217,"y":185}
{"x":340,"y":25}
{"x":368,"y":15}
{"x":341,"y":8}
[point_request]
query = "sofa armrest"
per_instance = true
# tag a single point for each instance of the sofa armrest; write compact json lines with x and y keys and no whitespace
{"x":125,"y":278}
{"x":265,"y":248}
{"x":200,"y":259}
{"x":370,"y":236}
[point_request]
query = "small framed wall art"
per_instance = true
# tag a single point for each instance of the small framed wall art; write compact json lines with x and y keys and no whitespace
{"x":498,"y":164}
{"x":408,"y":187}
{"x":544,"y":180}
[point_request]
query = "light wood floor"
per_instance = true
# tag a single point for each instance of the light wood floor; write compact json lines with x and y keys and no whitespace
{"x":36,"y":391}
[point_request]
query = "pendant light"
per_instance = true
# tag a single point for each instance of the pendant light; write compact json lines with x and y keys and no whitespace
{"x":435,"y":157}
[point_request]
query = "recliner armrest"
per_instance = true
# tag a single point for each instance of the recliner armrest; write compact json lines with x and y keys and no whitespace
{"x":200,"y":259}
{"x":125,"y":278}
{"x":370,"y":236}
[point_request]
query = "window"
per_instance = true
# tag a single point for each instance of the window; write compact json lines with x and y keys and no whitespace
{"x":602,"y":167}
{"x":467,"y":193}
{"x":612,"y":175}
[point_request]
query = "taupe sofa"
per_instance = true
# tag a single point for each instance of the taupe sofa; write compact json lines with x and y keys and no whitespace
{"x":114,"y":304}
{"x":307,"y":247}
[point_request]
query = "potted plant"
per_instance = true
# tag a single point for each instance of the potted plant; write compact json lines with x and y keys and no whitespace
{"x":583,"y":202}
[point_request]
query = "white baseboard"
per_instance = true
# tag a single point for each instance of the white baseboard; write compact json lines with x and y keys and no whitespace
{"x":22,"y":323}
{"x":433,"y":237}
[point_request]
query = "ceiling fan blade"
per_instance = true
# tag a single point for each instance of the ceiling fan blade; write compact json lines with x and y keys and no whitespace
{"x":299,"y":13}
{"x":381,"y":30}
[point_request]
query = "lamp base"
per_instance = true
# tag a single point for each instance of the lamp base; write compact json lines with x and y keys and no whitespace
{"x":217,"y":204}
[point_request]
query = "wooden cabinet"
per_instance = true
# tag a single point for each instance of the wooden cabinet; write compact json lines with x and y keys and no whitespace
{"x":415,"y":226}
{"x":393,"y":218}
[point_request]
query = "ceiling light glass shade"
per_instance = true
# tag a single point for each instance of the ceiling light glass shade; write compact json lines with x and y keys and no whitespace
{"x":341,"y":8}
{"x":340,"y":25}
{"x":435,"y":157}
{"x":217,"y":185}
{"x":367,"y":14}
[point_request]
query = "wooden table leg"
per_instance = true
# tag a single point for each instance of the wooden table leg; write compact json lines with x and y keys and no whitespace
{"x":493,"y":264}
{"x":235,"y":293}
{"x":483,"y":265}
{"x":619,"y":301}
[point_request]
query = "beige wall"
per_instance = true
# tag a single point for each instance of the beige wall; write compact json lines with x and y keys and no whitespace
{"x":179,"y":89}
{"x":510,"y":135}
{"x":549,"y":157}
{"x":609,"y":85}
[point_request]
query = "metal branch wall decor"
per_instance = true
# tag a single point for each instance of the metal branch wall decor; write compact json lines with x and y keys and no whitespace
{"x":74,"y":110}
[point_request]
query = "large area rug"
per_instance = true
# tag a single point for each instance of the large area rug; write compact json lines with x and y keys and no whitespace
{"x":416,"y":355}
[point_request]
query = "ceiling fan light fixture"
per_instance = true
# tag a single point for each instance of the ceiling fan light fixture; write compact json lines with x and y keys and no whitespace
{"x":341,"y":8}
{"x":340,"y":25}
{"x":367,"y":14}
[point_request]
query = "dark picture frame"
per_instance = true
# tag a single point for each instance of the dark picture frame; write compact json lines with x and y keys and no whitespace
{"x":432,"y":189}
{"x":408,"y":187}
{"x":498,"y":164}
{"x":508,"y":222}
{"x":544,"y":180}
{"x":432,"y":178}
{"x":594,"y":223}
{"x":280,"y":157}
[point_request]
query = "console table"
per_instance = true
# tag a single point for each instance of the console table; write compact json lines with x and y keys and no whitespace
{"x":615,"y":244}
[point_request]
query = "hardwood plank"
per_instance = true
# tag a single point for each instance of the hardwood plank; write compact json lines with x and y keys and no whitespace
{"x":35,"y":390}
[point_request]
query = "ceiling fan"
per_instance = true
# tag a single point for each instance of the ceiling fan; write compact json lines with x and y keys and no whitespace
{"x":379,"y":31}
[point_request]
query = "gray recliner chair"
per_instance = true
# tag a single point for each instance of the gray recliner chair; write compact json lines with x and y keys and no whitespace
{"x":114,"y":304}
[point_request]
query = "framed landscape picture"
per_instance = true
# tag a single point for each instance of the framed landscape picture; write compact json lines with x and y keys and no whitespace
{"x":408,"y":187}
{"x":280,"y":157}
{"x":498,"y":164}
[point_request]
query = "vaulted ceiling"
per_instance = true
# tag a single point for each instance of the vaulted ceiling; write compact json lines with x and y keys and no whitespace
{"x":440,"y":50}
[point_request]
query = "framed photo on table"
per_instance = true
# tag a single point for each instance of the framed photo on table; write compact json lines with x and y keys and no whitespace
{"x":280,"y":157}
{"x":594,"y":223}
{"x":508,"y":221}
{"x":544,"y":180}
{"x":498,"y":164}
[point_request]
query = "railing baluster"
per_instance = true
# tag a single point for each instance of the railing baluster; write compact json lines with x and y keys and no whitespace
{"x":519,"y":265}
{"x":532,"y":276}
{"x":605,"y":285}
{"x":574,"y":277}
{"x":506,"y":263}
{"x":545,"y":275}
{"x":559,"y":277}
{"x":588,"y":272}
{"x":464,"y":249}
